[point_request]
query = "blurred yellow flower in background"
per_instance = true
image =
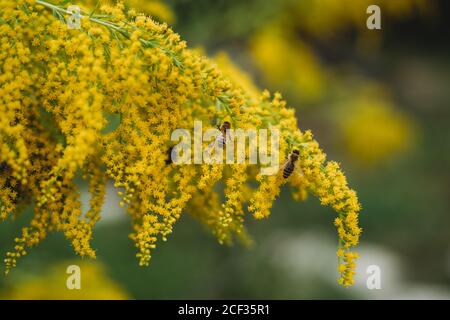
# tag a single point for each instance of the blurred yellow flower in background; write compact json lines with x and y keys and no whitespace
{"x":240,"y":77}
{"x":374,"y":128}
{"x":287,"y":63}
{"x":323,"y":18}
{"x":95,"y":284}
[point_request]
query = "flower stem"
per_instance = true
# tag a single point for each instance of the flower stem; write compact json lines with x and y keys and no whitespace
{"x":152,"y":43}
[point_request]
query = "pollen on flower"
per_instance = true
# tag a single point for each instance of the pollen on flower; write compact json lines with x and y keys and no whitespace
{"x":60,"y":90}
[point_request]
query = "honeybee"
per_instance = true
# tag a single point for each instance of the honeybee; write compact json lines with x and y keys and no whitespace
{"x":221,"y":140}
{"x":169,"y":156}
{"x":289,"y":166}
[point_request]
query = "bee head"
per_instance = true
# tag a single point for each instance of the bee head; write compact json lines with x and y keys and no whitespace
{"x":3,"y":166}
{"x":294,"y":155}
{"x":226,"y":125}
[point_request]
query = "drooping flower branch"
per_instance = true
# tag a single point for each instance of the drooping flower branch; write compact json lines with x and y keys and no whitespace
{"x":62,"y":90}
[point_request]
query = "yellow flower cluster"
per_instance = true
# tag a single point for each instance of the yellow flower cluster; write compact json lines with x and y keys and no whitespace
{"x":101,"y":102}
{"x":154,"y":8}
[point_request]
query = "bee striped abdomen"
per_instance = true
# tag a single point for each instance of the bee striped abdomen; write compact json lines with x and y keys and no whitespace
{"x":288,"y":169}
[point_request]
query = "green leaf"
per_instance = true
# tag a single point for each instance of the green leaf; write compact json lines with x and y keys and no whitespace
{"x":95,"y":9}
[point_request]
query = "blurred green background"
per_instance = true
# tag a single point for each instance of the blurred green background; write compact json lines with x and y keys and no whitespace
{"x":377,"y":101}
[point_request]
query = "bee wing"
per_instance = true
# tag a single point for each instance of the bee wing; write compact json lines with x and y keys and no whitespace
{"x":211,"y":146}
{"x":228,"y":136}
{"x":284,"y":165}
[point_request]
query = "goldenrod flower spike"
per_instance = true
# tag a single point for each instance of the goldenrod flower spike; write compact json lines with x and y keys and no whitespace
{"x":62,"y":90}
